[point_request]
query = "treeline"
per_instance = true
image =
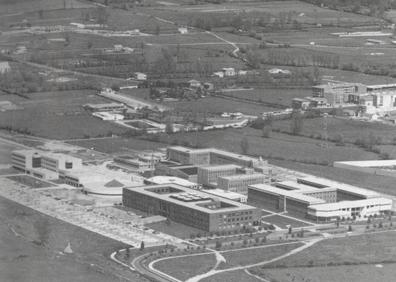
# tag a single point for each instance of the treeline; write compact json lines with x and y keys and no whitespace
{"x":366,"y":7}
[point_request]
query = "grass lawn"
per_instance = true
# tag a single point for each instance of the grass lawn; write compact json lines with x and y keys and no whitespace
{"x":282,"y":221}
{"x":185,"y":267}
{"x":175,"y":229}
{"x":382,"y":184}
{"x":219,"y":105}
{"x":368,"y":248}
{"x":5,"y":152}
{"x":355,"y":273}
{"x":255,"y":255}
{"x":231,"y":276}
{"x":30,"y":181}
{"x":22,"y":260}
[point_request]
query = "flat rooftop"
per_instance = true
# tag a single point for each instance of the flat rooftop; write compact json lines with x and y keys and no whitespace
{"x":295,"y":186}
{"x":371,"y":163}
{"x":351,"y":204}
{"x":289,"y":194}
{"x":243,"y":176}
{"x":178,"y":193}
{"x":219,"y":167}
{"x":318,"y":181}
{"x":224,"y":194}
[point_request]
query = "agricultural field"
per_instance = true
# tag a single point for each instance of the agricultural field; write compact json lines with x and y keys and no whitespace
{"x":278,"y":146}
{"x":351,"y":130}
{"x":231,"y":276}
{"x":118,"y":145}
{"x":219,"y":105}
{"x":58,"y":115}
{"x":305,"y":13}
{"x":184,"y":267}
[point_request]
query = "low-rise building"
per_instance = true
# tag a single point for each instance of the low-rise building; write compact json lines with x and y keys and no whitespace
{"x":190,"y":207}
{"x":107,"y":107}
{"x":227,"y":195}
{"x":108,"y":116}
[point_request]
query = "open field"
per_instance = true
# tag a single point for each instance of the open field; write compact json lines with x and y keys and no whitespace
{"x":312,"y":14}
{"x":363,"y":249}
{"x":255,"y":254}
{"x":24,"y":260}
{"x":219,"y":105}
{"x":355,"y":273}
{"x":5,"y":149}
{"x":281,"y":96}
{"x":350,"y":129}
{"x":184,"y":267}
{"x":59,"y":115}
{"x":278,"y":146}
{"x":118,"y":145}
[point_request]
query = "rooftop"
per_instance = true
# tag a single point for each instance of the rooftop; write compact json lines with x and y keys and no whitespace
{"x":289,"y":194}
{"x":170,"y":180}
{"x":351,"y":204}
{"x":225,"y":194}
{"x":204,"y":201}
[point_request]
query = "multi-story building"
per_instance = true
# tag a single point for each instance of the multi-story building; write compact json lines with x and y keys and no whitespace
{"x":43,"y":164}
{"x":208,"y":175}
{"x":240,"y":182}
{"x":337,"y":93}
{"x":208,"y":156}
{"x":319,"y":199}
{"x":190,"y":207}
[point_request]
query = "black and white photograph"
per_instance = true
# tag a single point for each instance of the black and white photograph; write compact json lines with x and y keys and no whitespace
{"x":197,"y":140}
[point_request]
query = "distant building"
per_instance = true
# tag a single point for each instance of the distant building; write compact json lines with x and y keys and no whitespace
{"x":172,"y":180}
{"x":140,"y":76}
{"x":228,"y":71}
{"x":194,"y":83}
{"x":108,"y":116}
{"x":190,"y":207}
{"x":227,"y":195}
{"x":277,"y":71}
{"x":183,"y":30}
{"x":4,"y":67}
{"x":108,"y":107}
{"x":300,"y":103}
{"x":338,"y":93}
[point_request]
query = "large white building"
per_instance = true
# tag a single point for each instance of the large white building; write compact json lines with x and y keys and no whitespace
{"x":319,"y":199}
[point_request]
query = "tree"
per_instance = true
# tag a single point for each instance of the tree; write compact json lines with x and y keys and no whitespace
{"x":169,"y":128}
{"x":297,"y":122}
{"x":349,"y":228}
{"x":267,"y":130}
{"x":43,"y":231}
{"x":218,"y":245}
{"x":244,"y":145}
{"x":127,"y":253}
{"x":290,"y":230}
{"x":142,"y":246}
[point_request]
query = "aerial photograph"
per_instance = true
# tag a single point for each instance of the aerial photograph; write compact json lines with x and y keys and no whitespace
{"x":197,"y":140}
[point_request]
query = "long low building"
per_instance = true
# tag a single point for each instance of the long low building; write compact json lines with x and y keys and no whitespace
{"x":190,"y":207}
{"x":319,"y":199}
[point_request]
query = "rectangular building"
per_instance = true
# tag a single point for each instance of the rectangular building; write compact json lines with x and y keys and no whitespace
{"x":240,"y":182}
{"x":208,"y":175}
{"x":190,"y":207}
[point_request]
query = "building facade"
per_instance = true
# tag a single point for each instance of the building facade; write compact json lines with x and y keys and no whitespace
{"x":239,"y":183}
{"x":193,"y":208}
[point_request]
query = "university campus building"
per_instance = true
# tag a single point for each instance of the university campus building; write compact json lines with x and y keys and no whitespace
{"x":191,"y":207}
{"x":319,"y":199}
